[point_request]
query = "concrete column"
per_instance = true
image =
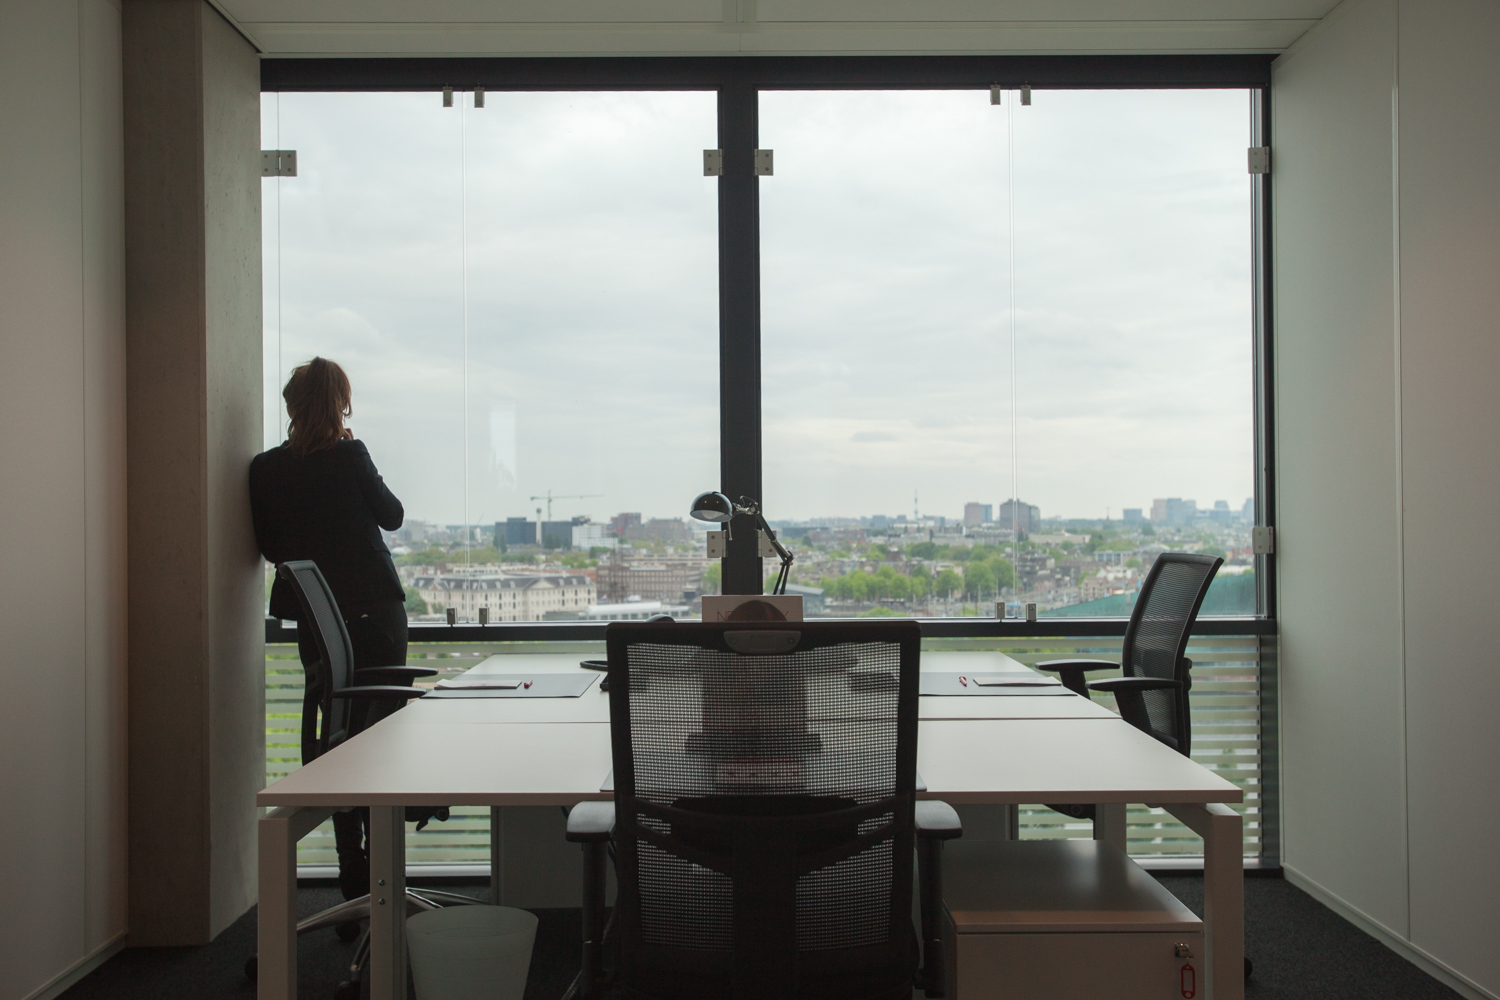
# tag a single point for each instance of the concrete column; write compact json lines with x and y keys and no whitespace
{"x":193,"y":333}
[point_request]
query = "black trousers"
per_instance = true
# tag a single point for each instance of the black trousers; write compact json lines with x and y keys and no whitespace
{"x":377,"y":634}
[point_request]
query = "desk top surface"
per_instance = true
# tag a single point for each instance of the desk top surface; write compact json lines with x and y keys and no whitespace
{"x":593,"y":704}
{"x":545,"y":751}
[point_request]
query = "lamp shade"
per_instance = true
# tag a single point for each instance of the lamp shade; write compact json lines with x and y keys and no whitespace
{"x":712,"y":507}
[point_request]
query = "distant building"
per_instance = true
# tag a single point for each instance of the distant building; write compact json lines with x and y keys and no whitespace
{"x":621,"y":523}
{"x":514,"y":531}
{"x":662,"y":529}
{"x":1017,"y":515}
{"x":592,"y":536}
{"x":1247,"y":512}
{"x":1174,"y":510}
{"x":510,"y":598}
{"x":1221,"y":513}
{"x":559,"y":534}
{"x":812,"y":599}
{"x":976,"y":514}
{"x":1132,"y":515}
{"x":669,"y":580}
{"x":1035,"y":570}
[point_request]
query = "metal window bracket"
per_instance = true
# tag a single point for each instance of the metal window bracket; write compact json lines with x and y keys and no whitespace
{"x":447,"y":97}
{"x":764,"y":161}
{"x":716,"y":545}
{"x":995,"y":92}
{"x":713,"y":163}
{"x":1260,"y":159}
{"x":1263,"y":540}
{"x":1026,"y":94}
{"x":766,"y":549}
{"x":278,"y":163}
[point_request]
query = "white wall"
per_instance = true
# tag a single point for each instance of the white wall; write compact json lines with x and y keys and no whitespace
{"x":1387,"y":168}
{"x":62,"y":495}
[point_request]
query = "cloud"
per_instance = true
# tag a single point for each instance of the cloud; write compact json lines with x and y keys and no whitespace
{"x":526,"y":297}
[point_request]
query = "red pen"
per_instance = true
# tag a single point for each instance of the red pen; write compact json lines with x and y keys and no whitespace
{"x":963,"y":680}
{"x":526,"y":685}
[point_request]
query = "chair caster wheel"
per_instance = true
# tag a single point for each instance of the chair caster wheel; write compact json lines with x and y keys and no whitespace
{"x":346,"y":991}
{"x":1249,"y":967}
{"x":348,"y":930}
{"x":252,"y":967}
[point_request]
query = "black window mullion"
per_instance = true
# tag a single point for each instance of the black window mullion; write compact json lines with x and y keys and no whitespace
{"x":1265,"y":415}
{"x":739,"y":326}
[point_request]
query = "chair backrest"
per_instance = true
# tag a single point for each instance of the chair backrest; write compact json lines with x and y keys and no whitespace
{"x":765,"y":778}
{"x":1156,"y":639}
{"x":335,"y":666}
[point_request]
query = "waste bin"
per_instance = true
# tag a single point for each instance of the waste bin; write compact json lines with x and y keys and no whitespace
{"x":470,"y":952}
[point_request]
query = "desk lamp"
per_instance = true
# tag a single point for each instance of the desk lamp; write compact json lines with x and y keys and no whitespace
{"x":718,"y":508}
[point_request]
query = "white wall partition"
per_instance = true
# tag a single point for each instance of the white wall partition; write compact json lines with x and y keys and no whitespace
{"x":62,"y":493}
{"x":1388,"y":245}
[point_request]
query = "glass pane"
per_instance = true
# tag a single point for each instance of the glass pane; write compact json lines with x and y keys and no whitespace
{"x":525,"y":298}
{"x":1003,"y":344}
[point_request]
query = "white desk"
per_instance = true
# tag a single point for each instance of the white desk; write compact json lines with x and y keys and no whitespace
{"x":520,"y":751}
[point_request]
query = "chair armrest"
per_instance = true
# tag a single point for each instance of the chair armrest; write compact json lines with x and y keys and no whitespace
{"x":938,"y":820}
{"x":391,"y":675}
{"x":591,"y":822}
{"x":1072,"y":672}
{"x":1077,"y":665}
{"x":370,"y":692}
{"x":1115,"y":685}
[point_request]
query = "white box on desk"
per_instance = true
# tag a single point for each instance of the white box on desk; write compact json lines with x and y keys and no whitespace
{"x":1063,"y":920}
{"x":718,"y":608}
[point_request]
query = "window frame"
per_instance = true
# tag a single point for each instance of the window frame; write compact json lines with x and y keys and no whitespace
{"x":737,"y":82}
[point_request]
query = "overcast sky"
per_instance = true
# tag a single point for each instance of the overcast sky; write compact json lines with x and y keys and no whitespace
{"x":586,"y":232}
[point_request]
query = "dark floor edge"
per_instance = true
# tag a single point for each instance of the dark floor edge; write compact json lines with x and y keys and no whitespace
{"x":65,"y":981}
{"x":1401,"y":946}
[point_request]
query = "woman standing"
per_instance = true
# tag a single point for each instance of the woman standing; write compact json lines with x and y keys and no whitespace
{"x":318,"y":497}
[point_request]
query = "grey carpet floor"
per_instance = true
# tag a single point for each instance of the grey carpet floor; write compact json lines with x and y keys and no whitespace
{"x":1301,"y":949}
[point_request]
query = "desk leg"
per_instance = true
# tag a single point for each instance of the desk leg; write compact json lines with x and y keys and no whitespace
{"x":387,"y":903}
{"x":1222,"y":831}
{"x":277,"y":834}
{"x":1109,"y":823}
{"x":497,"y":855}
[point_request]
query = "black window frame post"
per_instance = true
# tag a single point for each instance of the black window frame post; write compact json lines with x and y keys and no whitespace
{"x":739,"y":326}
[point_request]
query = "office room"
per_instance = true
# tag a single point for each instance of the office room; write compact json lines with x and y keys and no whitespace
{"x":982,"y":315}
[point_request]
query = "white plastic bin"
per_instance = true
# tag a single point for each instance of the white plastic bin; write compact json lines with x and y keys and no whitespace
{"x":471,"y":952}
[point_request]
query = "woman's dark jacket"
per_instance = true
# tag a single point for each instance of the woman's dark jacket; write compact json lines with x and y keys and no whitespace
{"x":328,"y":507}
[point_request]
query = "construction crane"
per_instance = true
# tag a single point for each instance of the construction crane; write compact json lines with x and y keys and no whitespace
{"x":572,"y":496}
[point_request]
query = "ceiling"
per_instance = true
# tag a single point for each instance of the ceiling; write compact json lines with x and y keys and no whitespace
{"x":768,"y":27}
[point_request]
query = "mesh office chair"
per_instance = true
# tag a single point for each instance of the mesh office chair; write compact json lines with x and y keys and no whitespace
{"x":347,"y":701}
{"x":764,"y":815}
{"x":1153,"y":694}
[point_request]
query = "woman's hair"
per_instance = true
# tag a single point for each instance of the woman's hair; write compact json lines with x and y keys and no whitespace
{"x":317,"y":401}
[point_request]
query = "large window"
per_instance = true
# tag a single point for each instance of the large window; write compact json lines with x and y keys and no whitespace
{"x":524,"y":295}
{"x":1006,"y":349}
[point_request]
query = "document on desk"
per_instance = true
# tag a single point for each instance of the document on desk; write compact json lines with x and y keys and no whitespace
{"x":1027,"y":683}
{"x":539,"y":685}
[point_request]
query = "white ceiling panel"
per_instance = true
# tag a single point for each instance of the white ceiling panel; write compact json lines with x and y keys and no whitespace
{"x":779,"y":27}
